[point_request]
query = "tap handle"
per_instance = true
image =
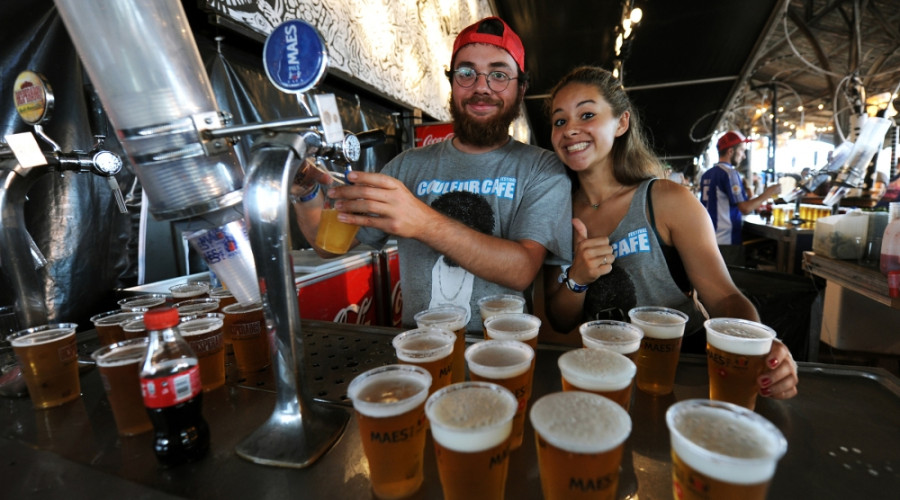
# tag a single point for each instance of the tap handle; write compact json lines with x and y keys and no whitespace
{"x":117,"y":193}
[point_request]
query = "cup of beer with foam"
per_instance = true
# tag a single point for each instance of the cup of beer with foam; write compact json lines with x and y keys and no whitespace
{"x":736,"y":351}
{"x":721,"y":450}
{"x":657,"y":359}
{"x":471,"y":423}
{"x":580,"y":441}
{"x":509,"y":363}
{"x":390,"y":406}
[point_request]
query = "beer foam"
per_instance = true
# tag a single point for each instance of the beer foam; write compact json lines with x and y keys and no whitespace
{"x":471,"y":416}
{"x":42,"y":337}
{"x":388,"y":391}
{"x":423,"y":345}
{"x":613,"y":335}
{"x":739,"y":336}
{"x":499,"y":359}
{"x":580,"y":422}
{"x":441,"y":319}
{"x":500,"y":303}
{"x":724,"y":441}
{"x":659,"y":323}
{"x":199,"y":326}
{"x":597,"y":369}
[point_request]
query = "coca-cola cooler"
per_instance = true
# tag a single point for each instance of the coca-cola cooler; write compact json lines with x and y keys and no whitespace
{"x":341,"y":289}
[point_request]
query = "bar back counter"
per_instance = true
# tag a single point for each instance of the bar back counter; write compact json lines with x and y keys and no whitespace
{"x":843,"y":433}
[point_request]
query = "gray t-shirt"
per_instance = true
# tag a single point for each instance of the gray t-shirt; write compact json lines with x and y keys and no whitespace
{"x":515,"y":192}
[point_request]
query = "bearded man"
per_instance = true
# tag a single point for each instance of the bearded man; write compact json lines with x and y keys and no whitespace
{"x":524,"y":186}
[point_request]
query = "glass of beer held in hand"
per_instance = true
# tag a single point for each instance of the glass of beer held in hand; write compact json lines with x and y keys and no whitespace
{"x":599,"y":371}
{"x":736,"y":351}
{"x":580,"y":439}
{"x":509,"y":363}
{"x":721,"y":451}
{"x":619,"y":336}
{"x":452,"y":318}
{"x":660,"y":349}
{"x":430,"y":348}
{"x":390,"y":406}
{"x":48,"y":357}
{"x":471,"y":423}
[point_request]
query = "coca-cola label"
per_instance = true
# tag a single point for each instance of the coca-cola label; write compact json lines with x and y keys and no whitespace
{"x":433,"y":133}
{"x":164,"y":392}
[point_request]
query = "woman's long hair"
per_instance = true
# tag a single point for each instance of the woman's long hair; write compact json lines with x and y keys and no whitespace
{"x":633,"y":159}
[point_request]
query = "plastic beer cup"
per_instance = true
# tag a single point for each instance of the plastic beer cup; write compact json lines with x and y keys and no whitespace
{"x":390,"y":406}
{"x":660,"y":349}
{"x":619,"y":336}
{"x":142,"y":302}
{"x":185,"y":291}
{"x":245,"y":325}
{"x":736,"y":351}
{"x":224,"y":296}
{"x":48,"y":357}
{"x":203,"y":332}
{"x":508,"y":363}
{"x":523,"y":327}
{"x":334,"y":236}
{"x":496,"y":304}
{"x":599,"y":371}
{"x":119,"y":366}
{"x":197,"y":306}
{"x":580,"y":440}
{"x":471,"y":423}
{"x":109,"y":325}
{"x":721,"y":450}
{"x":452,"y":318}
{"x":432,"y":349}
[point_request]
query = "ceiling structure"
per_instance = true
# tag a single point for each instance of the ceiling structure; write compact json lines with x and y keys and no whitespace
{"x":697,"y":67}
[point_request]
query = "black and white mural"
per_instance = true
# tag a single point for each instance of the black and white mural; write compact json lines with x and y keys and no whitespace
{"x":399,"y":47}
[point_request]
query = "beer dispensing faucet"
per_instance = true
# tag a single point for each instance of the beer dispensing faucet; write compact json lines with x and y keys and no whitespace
{"x":22,"y":163}
{"x":150,"y":78}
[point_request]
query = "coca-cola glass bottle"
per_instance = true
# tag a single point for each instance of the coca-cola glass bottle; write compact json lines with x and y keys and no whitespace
{"x":170,"y":384}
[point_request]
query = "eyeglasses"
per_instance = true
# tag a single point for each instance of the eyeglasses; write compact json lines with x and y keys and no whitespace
{"x":496,"y":80}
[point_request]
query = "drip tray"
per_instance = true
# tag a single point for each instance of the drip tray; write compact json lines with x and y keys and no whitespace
{"x":335,"y":354}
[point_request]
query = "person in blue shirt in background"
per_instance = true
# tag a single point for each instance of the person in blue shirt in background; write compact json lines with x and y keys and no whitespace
{"x":722,"y":193}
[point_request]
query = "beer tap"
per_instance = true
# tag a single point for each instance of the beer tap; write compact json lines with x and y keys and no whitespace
{"x":22,"y":163}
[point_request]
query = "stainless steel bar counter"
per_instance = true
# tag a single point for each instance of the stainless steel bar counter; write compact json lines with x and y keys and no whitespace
{"x":843,"y":433}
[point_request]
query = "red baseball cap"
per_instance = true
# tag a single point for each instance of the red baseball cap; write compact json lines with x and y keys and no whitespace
{"x":493,"y":31}
{"x":730,"y":139}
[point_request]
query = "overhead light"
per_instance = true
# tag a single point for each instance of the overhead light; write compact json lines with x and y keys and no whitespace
{"x":636,"y":15}
{"x":821,"y":106}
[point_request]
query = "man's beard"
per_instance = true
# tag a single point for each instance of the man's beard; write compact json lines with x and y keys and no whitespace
{"x":482,"y":133}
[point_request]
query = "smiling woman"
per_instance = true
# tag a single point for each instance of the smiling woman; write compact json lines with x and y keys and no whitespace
{"x":633,"y":245}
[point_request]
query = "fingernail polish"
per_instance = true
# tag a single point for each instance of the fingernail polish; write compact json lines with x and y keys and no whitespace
{"x":773,"y":362}
{"x":766,"y":391}
{"x":765,"y":381}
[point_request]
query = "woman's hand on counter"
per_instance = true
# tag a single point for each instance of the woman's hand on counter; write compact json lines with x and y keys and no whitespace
{"x":779,"y":381}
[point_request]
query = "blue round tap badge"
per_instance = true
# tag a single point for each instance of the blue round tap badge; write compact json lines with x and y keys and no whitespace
{"x":295,"y":56}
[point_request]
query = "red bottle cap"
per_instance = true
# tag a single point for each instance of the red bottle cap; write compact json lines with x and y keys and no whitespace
{"x":157,"y":319}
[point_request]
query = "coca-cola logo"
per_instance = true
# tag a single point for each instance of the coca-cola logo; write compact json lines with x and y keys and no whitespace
{"x":361,"y":310}
{"x":432,"y":139}
{"x":396,"y":304}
